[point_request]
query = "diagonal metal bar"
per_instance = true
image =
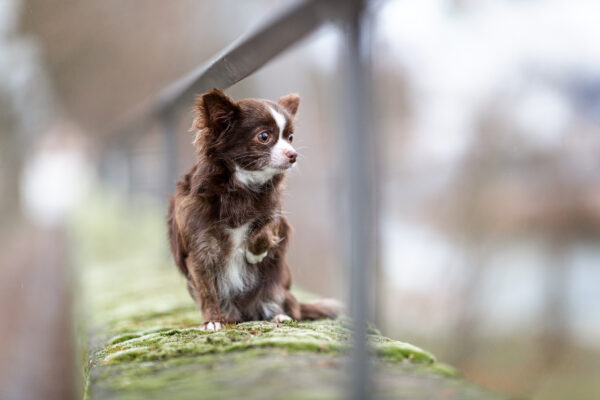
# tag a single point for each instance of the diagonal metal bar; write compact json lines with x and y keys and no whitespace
{"x":237,"y":61}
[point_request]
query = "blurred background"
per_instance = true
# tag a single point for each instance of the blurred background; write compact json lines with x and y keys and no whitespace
{"x":487,"y":121}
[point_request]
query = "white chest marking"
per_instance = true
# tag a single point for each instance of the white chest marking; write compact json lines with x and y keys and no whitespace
{"x":237,"y":277}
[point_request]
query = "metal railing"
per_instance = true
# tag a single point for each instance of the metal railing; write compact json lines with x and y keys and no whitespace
{"x":247,"y":55}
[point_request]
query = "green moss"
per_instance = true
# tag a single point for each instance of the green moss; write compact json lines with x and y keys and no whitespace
{"x":125,"y":355}
{"x":391,"y":350}
{"x":445,"y":370}
{"x":321,"y":337}
{"x":123,"y":338}
{"x":403,"y":351}
{"x":256,"y":374}
{"x":253,"y":374}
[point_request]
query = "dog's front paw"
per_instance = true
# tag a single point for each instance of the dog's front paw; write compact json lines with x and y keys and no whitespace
{"x":255,"y":258}
{"x":280,"y":318}
{"x":212,"y":326}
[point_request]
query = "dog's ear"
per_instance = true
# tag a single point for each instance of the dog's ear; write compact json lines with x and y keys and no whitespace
{"x":290,"y":102}
{"x":217,"y":110}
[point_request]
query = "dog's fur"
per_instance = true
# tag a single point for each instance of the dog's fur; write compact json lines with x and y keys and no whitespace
{"x":227,"y":232}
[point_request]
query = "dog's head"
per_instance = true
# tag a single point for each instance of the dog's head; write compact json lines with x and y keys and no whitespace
{"x":253,"y":136}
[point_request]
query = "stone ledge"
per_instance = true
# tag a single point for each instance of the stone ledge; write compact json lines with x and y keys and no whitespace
{"x":142,"y":340}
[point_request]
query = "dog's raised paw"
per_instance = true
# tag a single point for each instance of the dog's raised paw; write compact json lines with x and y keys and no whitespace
{"x":279,"y":318}
{"x":255,"y":258}
{"x":212,"y":326}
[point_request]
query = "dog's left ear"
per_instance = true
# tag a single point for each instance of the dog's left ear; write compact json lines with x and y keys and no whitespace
{"x":290,"y":102}
{"x":218,"y":110}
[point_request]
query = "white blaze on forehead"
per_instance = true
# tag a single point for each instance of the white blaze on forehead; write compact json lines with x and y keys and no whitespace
{"x":279,"y":119}
{"x":278,"y":156}
{"x":281,"y":144}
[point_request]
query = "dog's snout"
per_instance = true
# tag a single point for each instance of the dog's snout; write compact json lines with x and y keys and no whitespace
{"x":291,"y":155}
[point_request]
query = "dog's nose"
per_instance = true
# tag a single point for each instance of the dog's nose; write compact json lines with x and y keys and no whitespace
{"x":291,"y":156}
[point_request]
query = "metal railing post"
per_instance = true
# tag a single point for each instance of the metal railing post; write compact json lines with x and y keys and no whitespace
{"x":358,"y":165}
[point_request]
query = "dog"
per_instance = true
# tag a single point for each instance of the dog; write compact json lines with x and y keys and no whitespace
{"x":227,"y":232}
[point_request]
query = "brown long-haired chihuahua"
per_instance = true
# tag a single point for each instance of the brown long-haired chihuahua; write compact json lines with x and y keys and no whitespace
{"x":227,"y":232}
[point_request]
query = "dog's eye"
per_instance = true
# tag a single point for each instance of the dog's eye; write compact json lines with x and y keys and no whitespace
{"x":263,"y":137}
{"x":291,"y":138}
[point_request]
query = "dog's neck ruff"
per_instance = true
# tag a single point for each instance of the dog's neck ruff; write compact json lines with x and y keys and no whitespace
{"x":255,"y":178}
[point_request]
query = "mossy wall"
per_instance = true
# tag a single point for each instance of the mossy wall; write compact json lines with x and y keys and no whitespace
{"x":141,"y":335}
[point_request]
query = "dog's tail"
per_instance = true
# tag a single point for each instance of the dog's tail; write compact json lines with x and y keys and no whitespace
{"x":322,"y":308}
